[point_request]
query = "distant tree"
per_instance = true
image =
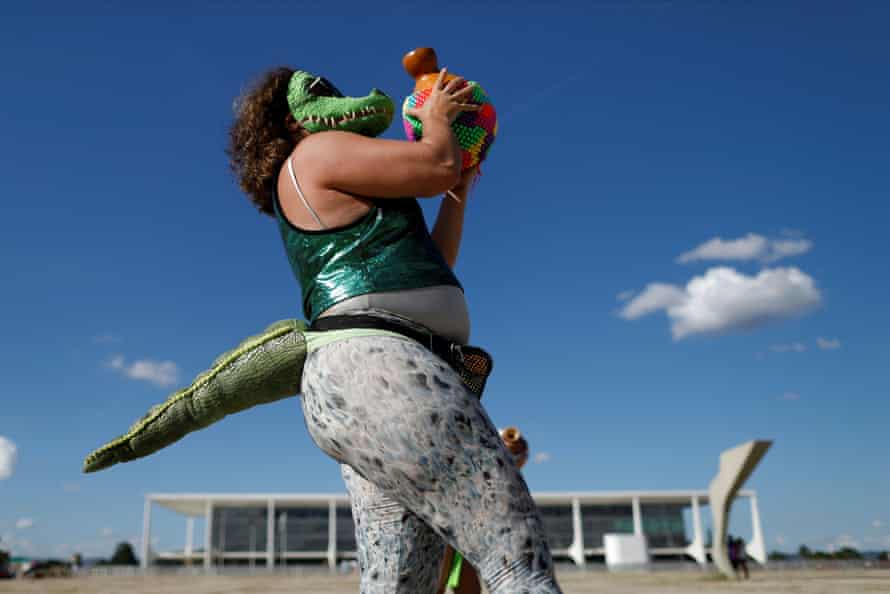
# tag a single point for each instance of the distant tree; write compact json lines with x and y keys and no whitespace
{"x":124,"y":555}
{"x":848,"y":553}
{"x":884,"y":556}
{"x":777,"y":556}
{"x":804,"y":552}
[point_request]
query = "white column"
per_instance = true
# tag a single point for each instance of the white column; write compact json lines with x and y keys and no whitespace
{"x":638,"y":516}
{"x":332,"y":534}
{"x":208,"y":535}
{"x":270,"y":534}
{"x":252,"y":546}
{"x":757,"y":547}
{"x":189,"y":539}
{"x":696,"y":548}
{"x":576,"y":550}
{"x":282,"y":533}
{"x":145,"y":561}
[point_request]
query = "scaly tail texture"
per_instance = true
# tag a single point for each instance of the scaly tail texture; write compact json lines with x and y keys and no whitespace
{"x":261,"y":369}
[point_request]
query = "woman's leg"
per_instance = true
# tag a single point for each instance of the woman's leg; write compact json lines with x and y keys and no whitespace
{"x":400,"y":417}
{"x":397,"y":552}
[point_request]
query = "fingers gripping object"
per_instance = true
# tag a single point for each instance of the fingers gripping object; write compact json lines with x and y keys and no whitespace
{"x":475,"y":130}
{"x":516,"y":444}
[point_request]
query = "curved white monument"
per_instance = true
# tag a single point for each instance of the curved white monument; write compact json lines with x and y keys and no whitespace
{"x":736,"y":465}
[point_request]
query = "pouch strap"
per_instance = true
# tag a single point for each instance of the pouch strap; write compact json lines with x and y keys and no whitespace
{"x":473,"y":364}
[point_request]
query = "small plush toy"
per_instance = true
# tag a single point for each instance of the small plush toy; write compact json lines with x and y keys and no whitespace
{"x":475,"y":130}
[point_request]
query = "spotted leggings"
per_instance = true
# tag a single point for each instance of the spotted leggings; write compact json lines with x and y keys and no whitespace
{"x":422,"y":462}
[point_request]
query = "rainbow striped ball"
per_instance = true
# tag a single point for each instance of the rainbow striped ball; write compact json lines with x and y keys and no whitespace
{"x":475,"y":130}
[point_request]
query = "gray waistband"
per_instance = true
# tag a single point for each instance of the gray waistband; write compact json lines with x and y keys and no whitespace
{"x":441,"y":308}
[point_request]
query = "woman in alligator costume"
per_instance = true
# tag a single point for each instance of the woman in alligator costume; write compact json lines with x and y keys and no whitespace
{"x":388,"y":389}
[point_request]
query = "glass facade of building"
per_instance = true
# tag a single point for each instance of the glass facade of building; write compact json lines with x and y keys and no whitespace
{"x":304,"y":529}
{"x":239,"y":529}
{"x":663,"y":525}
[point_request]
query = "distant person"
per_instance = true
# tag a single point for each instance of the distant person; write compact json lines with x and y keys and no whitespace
{"x":741,"y":557}
{"x":733,"y":556}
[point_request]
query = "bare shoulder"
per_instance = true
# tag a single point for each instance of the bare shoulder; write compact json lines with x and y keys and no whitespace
{"x":325,"y":154}
{"x":329,"y":145}
{"x":310,"y":160}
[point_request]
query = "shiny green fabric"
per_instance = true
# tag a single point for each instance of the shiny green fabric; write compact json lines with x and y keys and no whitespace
{"x":388,"y":249}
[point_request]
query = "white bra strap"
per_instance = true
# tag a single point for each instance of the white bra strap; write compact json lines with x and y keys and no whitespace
{"x":293,"y":178}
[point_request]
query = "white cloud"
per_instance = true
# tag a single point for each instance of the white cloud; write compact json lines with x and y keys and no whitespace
{"x":105,"y":339}
{"x":828,"y":344}
{"x":787,"y":248}
{"x":844,"y":540}
{"x":8,"y":456}
{"x":541,"y":457}
{"x":723,"y":300}
{"x":160,"y":373}
{"x":106,"y":532}
{"x":24,"y":523}
{"x":624,"y":295}
{"x":794,"y":347}
{"x":750,"y":247}
{"x":790,"y":396}
{"x":654,"y":297}
{"x":877,"y":524}
{"x":780,"y":540}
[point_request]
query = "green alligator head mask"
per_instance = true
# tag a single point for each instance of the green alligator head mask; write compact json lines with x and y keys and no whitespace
{"x":318,"y":105}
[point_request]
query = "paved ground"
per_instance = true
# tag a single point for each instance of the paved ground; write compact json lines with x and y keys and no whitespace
{"x":573,"y":582}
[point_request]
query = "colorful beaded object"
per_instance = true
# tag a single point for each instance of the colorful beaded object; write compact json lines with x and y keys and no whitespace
{"x":475,"y":130}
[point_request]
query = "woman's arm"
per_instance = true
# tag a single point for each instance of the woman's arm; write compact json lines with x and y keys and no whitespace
{"x":379,"y":168}
{"x":448,"y":229}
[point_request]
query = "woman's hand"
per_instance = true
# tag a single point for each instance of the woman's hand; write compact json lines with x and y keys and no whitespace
{"x":462,"y":188}
{"x":447,"y":100}
{"x":360,"y":166}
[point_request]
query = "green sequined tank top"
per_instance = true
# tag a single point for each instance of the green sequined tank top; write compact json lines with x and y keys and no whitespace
{"x":387,"y":249}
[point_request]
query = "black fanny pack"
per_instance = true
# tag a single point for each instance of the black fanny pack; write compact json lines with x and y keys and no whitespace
{"x":473,"y":364}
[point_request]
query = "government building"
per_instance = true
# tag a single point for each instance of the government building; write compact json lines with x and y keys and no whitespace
{"x":287,"y":528}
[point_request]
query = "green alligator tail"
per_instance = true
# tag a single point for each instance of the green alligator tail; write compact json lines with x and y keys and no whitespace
{"x":261,"y":369}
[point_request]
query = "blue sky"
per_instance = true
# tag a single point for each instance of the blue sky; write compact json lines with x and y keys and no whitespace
{"x":678,"y":244}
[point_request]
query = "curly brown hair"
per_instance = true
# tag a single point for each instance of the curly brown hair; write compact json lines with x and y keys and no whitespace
{"x":260,"y":140}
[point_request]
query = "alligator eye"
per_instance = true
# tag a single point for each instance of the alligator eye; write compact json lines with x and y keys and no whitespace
{"x":322,"y":87}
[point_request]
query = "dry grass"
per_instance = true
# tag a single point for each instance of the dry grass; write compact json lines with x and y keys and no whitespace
{"x":573,"y":582}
